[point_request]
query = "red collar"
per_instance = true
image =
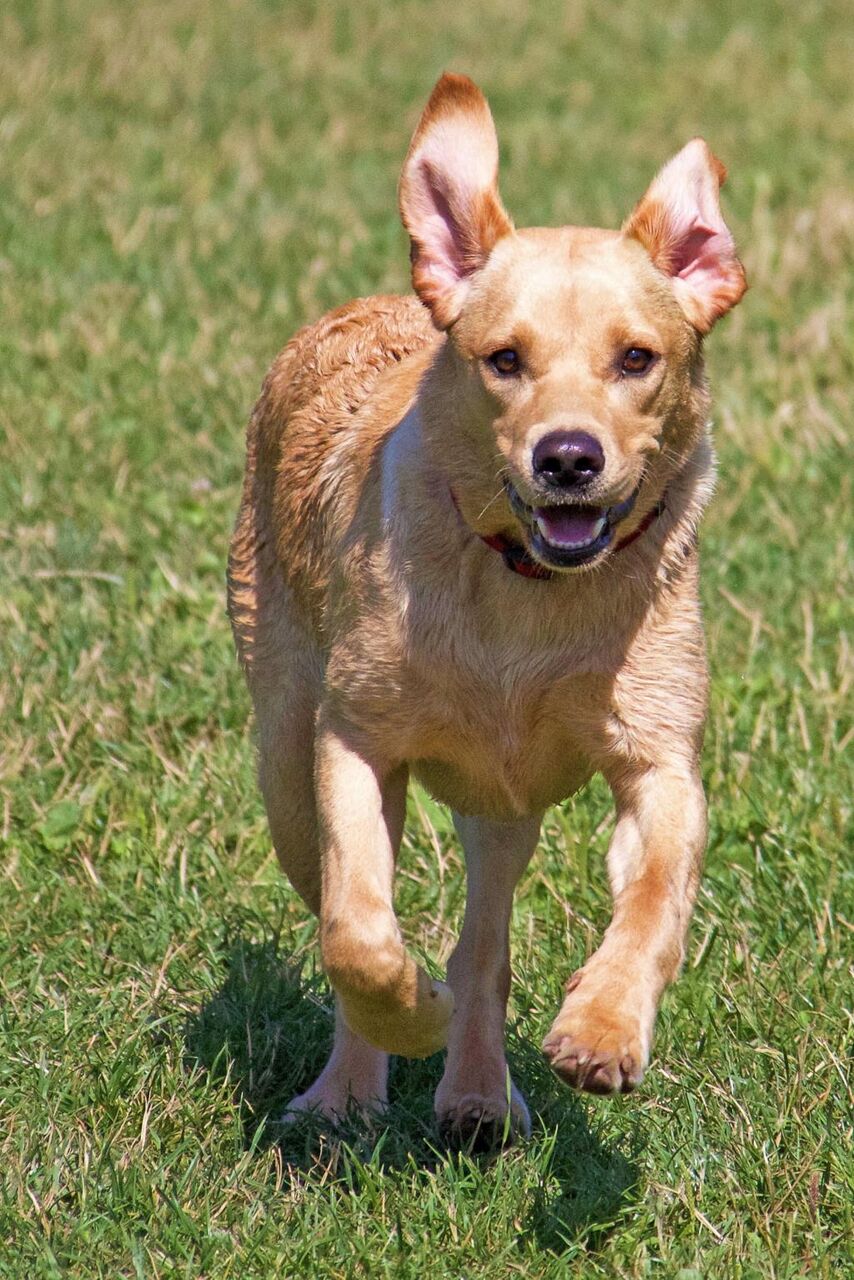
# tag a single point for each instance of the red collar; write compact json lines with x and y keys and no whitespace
{"x":518,"y":559}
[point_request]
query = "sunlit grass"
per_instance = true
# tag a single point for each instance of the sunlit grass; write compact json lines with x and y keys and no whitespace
{"x":184,"y":184}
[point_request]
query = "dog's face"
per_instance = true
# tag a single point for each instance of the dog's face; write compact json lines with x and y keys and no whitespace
{"x":578,"y":355}
{"x":572,"y":352}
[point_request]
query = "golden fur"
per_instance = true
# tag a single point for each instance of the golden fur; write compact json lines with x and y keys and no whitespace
{"x":381,"y":637}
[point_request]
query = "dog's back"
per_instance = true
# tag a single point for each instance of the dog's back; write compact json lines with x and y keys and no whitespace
{"x":307,"y":439}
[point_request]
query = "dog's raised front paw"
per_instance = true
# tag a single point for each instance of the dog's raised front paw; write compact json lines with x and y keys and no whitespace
{"x":594,"y":1047}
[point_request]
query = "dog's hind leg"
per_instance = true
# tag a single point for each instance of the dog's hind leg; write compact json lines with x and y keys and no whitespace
{"x":356,"y":1076}
{"x":284,"y":670}
{"x":474,"y":1093}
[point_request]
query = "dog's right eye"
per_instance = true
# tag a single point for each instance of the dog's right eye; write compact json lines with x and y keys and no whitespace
{"x":636,"y":361}
{"x":505,"y":361}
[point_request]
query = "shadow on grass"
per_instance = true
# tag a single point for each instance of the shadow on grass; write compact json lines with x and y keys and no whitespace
{"x":268,"y":1030}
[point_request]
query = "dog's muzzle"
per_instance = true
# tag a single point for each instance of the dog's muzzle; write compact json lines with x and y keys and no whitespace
{"x":568,"y":535}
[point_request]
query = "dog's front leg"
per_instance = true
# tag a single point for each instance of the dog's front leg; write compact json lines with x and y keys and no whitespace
{"x":601,"y":1038}
{"x":385,"y":997}
{"x":473,"y":1096}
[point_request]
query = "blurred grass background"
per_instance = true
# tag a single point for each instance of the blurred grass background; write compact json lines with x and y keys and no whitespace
{"x":184,"y":184}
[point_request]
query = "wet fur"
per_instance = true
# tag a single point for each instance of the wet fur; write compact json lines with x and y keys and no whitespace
{"x":382,"y":638}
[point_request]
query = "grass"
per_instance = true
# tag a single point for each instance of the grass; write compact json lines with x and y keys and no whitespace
{"x":184,"y":184}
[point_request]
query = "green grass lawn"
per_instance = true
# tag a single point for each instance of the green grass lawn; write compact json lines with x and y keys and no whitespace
{"x":184,"y":183}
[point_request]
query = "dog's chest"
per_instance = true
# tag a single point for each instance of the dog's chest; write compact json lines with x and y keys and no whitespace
{"x":505,"y":737}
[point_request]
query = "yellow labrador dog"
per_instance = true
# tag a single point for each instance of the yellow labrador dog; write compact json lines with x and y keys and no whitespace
{"x":466,"y":552}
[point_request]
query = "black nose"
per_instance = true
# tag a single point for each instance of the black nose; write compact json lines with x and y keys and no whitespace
{"x":568,"y":459}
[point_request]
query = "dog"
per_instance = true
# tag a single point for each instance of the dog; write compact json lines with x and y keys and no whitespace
{"x":466,"y":553}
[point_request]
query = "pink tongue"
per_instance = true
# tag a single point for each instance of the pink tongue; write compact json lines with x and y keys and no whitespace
{"x":568,"y":524}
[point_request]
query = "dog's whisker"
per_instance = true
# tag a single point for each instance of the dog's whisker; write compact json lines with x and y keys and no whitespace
{"x":494,"y":498}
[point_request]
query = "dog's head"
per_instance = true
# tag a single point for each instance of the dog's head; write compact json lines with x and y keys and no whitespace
{"x":572,"y":371}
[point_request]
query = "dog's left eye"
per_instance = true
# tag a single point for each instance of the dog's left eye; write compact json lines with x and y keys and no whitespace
{"x":637,"y":360}
{"x":505,"y":361}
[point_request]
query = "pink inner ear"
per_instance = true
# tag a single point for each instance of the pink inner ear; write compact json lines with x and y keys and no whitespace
{"x":679,"y":221}
{"x":696,"y":251}
{"x":706,"y":271}
{"x":440,"y":239}
{"x":449,"y":199}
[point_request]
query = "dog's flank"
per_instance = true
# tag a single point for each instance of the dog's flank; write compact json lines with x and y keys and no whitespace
{"x":545,"y":393}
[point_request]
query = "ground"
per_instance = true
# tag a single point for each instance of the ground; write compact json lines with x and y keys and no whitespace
{"x":184,"y":183}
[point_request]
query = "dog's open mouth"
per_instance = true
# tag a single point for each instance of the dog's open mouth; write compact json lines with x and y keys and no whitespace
{"x":567,"y":535}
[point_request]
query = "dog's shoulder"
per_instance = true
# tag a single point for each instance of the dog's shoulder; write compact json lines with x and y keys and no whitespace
{"x":331,"y":367}
{"x":326,"y":403}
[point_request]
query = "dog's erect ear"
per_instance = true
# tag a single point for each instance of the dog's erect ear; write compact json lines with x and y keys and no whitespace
{"x":449,"y":199}
{"x":680,"y":225}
